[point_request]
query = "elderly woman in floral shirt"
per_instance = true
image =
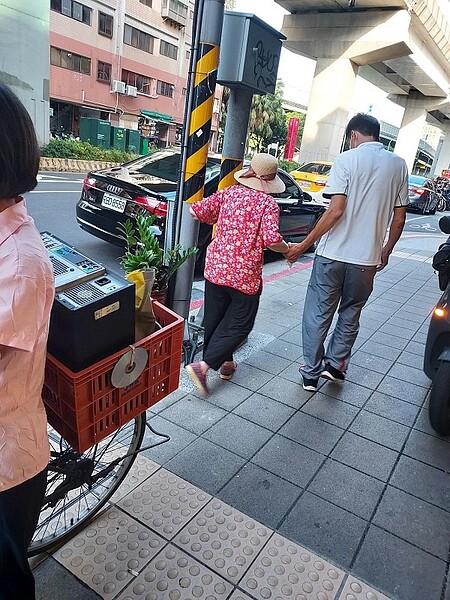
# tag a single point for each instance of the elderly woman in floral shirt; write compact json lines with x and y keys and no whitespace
{"x":247,"y":220}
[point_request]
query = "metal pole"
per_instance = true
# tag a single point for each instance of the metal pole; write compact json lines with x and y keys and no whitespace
{"x":235,"y":135}
{"x":197,"y":135}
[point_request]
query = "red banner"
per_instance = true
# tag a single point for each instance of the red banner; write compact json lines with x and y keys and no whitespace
{"x":289,"y":149}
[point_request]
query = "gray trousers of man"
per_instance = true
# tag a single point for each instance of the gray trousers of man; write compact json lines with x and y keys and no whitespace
{"x":333,"y":285}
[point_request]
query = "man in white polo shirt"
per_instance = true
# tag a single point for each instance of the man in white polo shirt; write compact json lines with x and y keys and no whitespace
{"x":368,"y":190}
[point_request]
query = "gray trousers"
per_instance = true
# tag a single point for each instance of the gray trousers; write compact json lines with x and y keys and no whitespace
{"x":333,"y":284}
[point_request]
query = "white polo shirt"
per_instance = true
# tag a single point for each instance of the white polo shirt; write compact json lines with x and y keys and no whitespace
{"x":26,"y":298}
{"x":374,"y":181}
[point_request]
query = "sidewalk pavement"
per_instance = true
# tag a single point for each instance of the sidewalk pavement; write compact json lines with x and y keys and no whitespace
{"x":268,"y":491}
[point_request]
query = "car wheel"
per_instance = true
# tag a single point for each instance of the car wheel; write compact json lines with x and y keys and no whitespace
{"x":439,"y":411}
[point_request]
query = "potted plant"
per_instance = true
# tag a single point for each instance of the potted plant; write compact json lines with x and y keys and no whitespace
{"x":144,"y":252}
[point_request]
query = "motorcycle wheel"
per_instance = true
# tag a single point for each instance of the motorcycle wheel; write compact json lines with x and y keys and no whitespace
{"x":439,"y":411}
{"x":442,"y":205}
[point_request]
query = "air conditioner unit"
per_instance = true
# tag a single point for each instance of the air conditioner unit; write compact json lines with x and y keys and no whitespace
{"x":118,"y":86}
{"x":131,"y":91}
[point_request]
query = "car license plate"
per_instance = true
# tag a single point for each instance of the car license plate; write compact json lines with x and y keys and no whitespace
{"x":114,"y":202}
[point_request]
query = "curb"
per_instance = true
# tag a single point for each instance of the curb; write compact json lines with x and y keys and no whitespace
{"x":72,"y":165}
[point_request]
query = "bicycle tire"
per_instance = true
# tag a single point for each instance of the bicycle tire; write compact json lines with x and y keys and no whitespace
{"x":80,"y":505}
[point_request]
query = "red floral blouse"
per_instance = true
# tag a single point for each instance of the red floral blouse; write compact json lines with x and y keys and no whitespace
{"x":247,"y":222}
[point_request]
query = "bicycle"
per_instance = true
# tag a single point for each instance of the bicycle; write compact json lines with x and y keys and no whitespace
{"x":81,"y":481}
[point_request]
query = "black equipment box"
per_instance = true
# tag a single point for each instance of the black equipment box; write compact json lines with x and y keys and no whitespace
{"x":92,"y":320}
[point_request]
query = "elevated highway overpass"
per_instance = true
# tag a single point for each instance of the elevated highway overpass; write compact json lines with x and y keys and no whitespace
{"x":401,"y":46}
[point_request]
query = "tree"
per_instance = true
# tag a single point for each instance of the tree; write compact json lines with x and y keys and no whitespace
{"x":268,"y":120}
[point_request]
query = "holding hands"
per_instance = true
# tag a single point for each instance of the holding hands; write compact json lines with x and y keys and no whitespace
{"x":294,"y":252}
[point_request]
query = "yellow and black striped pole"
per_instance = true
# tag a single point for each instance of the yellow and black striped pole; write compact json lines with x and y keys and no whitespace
{"x":200,"y":121}
{"x":197,"y":129}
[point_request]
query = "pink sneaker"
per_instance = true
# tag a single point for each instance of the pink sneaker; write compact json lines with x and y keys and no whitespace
{"x":227,"y":372}
{"x":197,"y":376}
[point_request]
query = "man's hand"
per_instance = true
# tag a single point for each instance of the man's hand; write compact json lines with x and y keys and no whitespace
{"x":295,"y":250}
{"x":385,"y":254}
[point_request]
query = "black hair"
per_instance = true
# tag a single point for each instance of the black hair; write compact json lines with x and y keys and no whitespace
{"x":364,"y":124}
{"x":19,"y":149}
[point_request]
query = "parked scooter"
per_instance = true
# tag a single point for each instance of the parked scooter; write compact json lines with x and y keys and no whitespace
{"x":437,"y":349}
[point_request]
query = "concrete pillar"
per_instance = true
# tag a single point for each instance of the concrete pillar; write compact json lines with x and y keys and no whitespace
{"x":443,"y":158}
{"x":411,"y":128}
{"x":328,"y":108}
{"x":340,"y":43}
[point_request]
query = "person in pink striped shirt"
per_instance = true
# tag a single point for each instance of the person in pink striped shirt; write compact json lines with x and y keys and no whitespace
{"x":26,"y":298}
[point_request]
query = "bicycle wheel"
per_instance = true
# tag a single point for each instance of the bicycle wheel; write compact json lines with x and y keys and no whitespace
{"x":78,"y":485}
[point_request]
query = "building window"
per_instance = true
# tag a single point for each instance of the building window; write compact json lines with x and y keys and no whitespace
{"x":69,"y":60}
{"x":165,"y":89}
{"x":141,"y":82}
{"x":183,"y":91}
{"x":103,"y":71}
{"x":72,"y":9}
{"x":138,"y":39}
{"x":169,"y":50}
{"x":188,"y":54}
{"x":146,"y":2}
{"x":105,"y":24}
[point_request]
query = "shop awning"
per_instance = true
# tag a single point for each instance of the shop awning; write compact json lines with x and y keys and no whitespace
{"x":159,"y":117}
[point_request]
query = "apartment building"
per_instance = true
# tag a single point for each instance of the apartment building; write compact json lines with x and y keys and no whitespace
{"x":125,"y":61}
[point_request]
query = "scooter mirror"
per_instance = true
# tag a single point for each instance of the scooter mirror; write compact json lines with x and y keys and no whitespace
{"x":444,"y":224}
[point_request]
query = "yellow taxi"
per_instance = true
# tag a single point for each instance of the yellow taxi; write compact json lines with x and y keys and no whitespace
{"x":312,"y":178}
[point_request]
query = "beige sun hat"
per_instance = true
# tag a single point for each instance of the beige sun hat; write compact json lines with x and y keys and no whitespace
{"x":261,"y":175}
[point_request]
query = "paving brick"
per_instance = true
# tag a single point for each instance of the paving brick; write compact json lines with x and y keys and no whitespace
{"x":238,"y":435}
{"x":398,"y":568}
{"x":429,"y":449}
{"x":350,"y":489}
{"x":54,"y":581}
{"x":365,"y":455}
{"x":285,"y":391}
{"x":284,"y":349}
{"x":194,"y":414}
{"x":371,"y":362}
{"x":348,"y":392}
{"x":380,"y":430}
{"x":411,"y":359}
{"x":226,"y":394}
{"x":206,"y":465}
{"x":374,"y":348}
{"x":268,"y":362}
{"x":179,"y":439}
{"x":392,"y":408}
{"x":264,"y":411}
{"x":415,"y":521}
{"x":289,"y":460}
{"x":423,"y":481}
{"x":362,"y":376}
{"x":388,"y":339}
{"x":260,"y":494}
{"x":311,"y":432}
{"x":331,"y":410}
{"x":403,"y":390}
{"x":410,"y":374}
{"x":250,"y":377}
{"x":330,"y":531}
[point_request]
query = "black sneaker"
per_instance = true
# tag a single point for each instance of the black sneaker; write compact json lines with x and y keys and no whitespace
{"x":310,"y":385}
{"x":332,"y":374}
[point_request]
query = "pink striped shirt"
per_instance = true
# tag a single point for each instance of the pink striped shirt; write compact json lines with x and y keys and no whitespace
{"x":26,"y":297}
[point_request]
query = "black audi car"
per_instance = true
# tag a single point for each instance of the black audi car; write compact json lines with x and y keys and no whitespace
{"x":146,"y":186}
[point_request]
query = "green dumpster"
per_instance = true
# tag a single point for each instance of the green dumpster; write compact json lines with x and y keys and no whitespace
{"x":118,"y":137}
{"x":143,"y":147}
{"x":133,"y":138}
{"x":95,"y":131}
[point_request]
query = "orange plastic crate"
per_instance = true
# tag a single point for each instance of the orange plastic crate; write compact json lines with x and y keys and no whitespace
{"x":84,"y":407}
